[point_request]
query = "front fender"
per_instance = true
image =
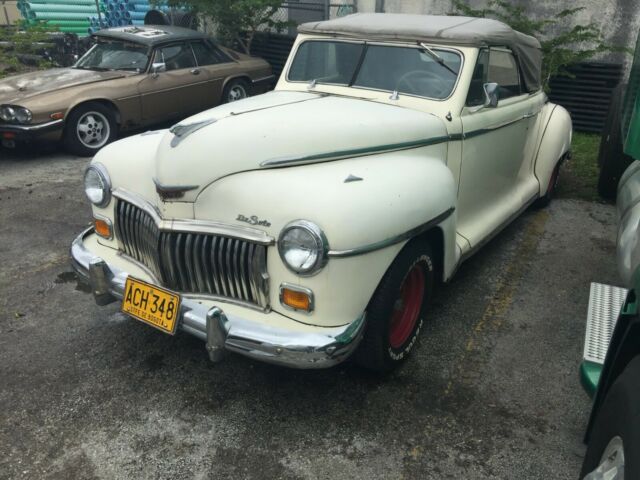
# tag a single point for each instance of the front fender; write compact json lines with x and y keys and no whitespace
{"x":554,"y":144}
{"x":356,"y":202}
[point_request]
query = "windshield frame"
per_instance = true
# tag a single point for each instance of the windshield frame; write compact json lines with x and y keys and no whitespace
{"x":110,"y":41}
{"x":365,"y":43}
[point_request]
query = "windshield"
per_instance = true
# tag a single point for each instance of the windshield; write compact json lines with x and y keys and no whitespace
{"x":115,"y":56}
{"x":408,"y":70}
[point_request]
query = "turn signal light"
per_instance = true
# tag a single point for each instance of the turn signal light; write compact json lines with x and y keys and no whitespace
{"x":102,"y":228}
{"x":298,"y":300}
{"x":57,"y":115}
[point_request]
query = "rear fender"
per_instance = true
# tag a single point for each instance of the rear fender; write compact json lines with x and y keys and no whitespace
{"x":554,"y":144}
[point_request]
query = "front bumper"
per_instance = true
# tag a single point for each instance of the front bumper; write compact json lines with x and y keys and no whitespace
{"x":312,"y":347}
{"x":11,"y":132}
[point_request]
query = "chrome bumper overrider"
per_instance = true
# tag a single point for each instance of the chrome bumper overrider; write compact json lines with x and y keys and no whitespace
{"x":317,"y":348}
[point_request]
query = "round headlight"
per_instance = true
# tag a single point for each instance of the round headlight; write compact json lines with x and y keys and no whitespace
{"x":7,"y":113}
{"x":303,"y":247}
{"x":22,"y":115}
{"x":97,"y":185}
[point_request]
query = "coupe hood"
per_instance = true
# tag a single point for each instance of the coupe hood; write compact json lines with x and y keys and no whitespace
{"x":281,"y":129}
{"x":20,"y":87}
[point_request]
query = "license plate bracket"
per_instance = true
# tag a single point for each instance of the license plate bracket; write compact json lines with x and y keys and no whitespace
{"x":153,"y":305}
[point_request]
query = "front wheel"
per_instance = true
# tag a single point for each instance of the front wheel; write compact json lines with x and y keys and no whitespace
{"x":396,"y":311}
{"x":89,"y":128}
{"x":614,"y":447}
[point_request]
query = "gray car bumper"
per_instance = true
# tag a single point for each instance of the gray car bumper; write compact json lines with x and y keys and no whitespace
{"x":317,"y":348}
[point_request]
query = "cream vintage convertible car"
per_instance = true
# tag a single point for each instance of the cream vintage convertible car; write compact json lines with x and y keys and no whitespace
{"x":311,"y":223}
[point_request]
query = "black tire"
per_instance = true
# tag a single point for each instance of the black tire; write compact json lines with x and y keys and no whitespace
{"x":235,"y":86}
{"x":376,"y":351}
{"x":611,"y":157}
{"x":545,"y":200}
{"x":619,"y":416}
{"x":97,"y":118}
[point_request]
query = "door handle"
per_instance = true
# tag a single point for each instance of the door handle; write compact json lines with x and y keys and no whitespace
{"x":195,"y":71}
{"x":530,"y":114}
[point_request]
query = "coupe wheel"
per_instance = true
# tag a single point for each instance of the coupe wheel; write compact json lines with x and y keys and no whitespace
{"x":613,"y":452}
{"x":396,"y":311}
{"x":235,"y":90}
{"x":89,"y":128}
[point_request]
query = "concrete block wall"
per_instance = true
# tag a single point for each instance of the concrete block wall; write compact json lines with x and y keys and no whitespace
{"x":619,"y":20}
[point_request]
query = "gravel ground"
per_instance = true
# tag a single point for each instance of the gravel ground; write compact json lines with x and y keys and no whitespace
{"x":491,"y":391}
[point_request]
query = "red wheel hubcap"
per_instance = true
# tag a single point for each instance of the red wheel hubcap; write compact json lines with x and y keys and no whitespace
{"x":407,"y":308}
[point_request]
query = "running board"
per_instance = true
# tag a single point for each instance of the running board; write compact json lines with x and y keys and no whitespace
{"x":605,"y":303}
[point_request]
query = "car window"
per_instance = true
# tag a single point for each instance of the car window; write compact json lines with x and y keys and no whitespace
{"x":175,"y":57}
{"x":325,"y":62}
{"x":409,"y":70}
{"x":476,"y":95}
{"x":208,"y":54}
{"x":503,"y":70}
{"x":115,"y":56}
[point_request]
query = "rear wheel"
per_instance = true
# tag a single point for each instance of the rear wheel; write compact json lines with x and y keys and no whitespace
{"x":545,"y":200}
{"x":396,"y":311}
{"x":235,"y":90}
{"x":89,"y":128}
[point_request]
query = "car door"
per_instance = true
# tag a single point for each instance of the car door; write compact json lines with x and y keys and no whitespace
{"x":496,"y":178}
{"x":177,"y":90}
{"x":217,"y":65}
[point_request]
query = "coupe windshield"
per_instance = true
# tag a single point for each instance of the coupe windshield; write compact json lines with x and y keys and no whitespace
{"x":115,"y":56}
{"x":430,"y":73}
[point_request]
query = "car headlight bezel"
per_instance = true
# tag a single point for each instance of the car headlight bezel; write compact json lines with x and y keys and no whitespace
{"x":318,"y":245}
{"x":15,"y":114}
{"x":104,"y":180}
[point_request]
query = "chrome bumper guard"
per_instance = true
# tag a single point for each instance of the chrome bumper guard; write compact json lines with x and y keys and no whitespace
{"x":318,"y":348}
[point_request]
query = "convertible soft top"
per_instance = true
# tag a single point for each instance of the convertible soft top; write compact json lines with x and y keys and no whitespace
{"x":441,"y":29}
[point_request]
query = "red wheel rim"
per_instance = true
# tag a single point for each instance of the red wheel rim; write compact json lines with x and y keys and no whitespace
{"x":407,"y":308}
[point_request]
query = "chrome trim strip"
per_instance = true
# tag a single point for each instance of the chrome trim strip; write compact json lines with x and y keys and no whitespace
{"x":268,"y":78}
{"x":305,"y":346}
{"x":31,"y":128}
{"x":392,"y":240}
{"x":329,"y":156}
{"x":194,"y":226}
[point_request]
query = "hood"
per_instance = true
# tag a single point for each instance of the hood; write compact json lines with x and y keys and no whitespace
{"x":281,"y":129}
{"x":20,"y":87}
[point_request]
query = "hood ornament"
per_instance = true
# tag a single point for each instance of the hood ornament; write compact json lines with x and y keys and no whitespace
{"x":172,"y":192}
{"x":181,"y":131}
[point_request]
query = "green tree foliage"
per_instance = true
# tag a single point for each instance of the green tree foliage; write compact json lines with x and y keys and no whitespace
{"x":562,"y":44}
{"x":237,"y":21}
{"x":21,"y":46}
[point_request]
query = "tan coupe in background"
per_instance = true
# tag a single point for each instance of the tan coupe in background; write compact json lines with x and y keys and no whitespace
{"x":132,"y":77}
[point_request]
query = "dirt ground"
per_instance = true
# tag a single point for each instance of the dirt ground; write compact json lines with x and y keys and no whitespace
{"x":491,"y":391}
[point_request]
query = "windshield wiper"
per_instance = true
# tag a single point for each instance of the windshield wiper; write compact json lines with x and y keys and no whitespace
{"x":97,"y":69}
{"x":437,"y":58}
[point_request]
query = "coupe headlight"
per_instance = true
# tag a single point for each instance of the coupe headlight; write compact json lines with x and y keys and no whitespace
{"x":97,"y":185}
{"x":303,"y":247}
{"x":7,"y":113}
{"x":11,"y":113}
{"x":22,"y":115}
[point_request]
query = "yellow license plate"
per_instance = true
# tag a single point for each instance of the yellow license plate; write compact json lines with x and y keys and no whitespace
{"x":151,"y":304}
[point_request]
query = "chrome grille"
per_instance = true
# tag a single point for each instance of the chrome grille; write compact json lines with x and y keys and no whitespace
{"x":199,"y":263}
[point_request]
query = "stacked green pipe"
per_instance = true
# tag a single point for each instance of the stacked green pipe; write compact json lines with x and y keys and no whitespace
{"x":72,"y":16}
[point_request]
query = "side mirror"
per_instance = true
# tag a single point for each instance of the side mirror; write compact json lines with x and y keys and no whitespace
{"x":491,"y":95}
{"x":156,"y":68}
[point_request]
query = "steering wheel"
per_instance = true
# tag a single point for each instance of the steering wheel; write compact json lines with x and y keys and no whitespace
{"x":406,"y":79}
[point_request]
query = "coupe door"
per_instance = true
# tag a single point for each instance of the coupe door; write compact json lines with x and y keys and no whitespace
{"x":496,"y":178}
{"x":175,"y":92}
{"x":217,"y":65}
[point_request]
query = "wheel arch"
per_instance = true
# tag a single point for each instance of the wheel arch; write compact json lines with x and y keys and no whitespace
{"x":238,"y":76}
{"x":102,"y":101}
